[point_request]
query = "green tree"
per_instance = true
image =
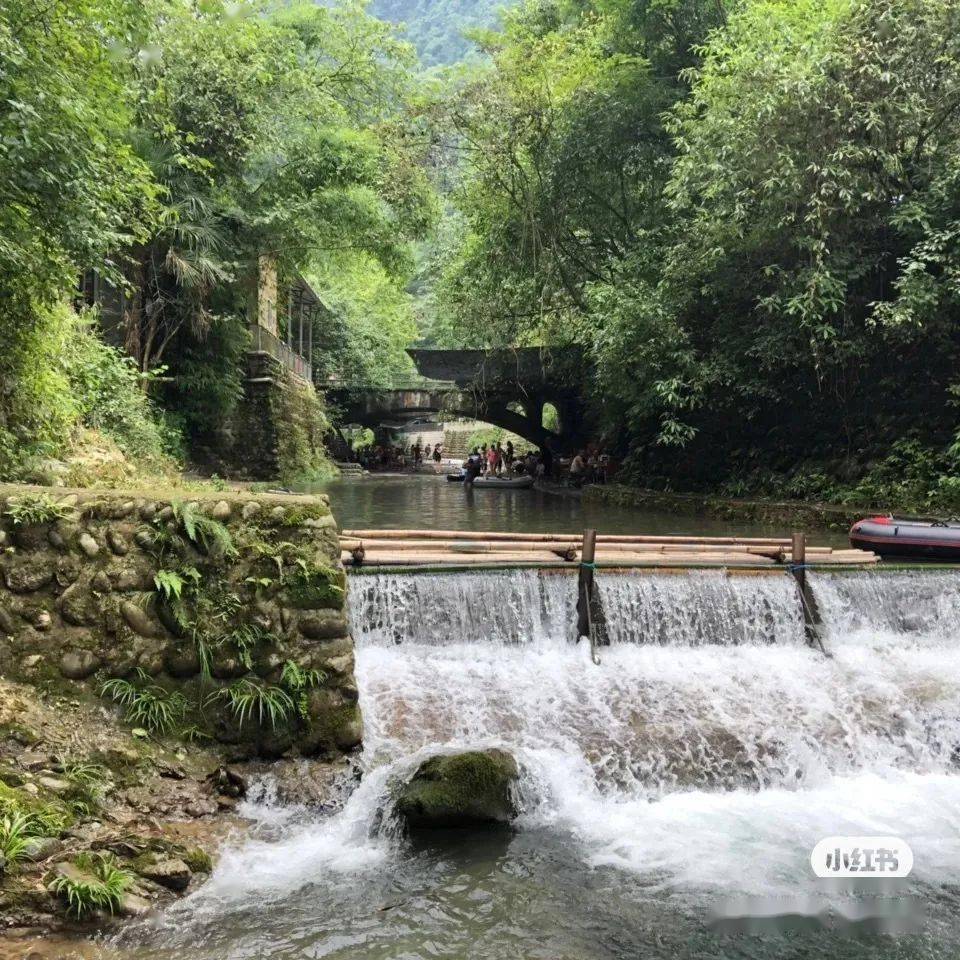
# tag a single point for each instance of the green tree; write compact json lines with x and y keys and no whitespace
{"x":69,"y":186}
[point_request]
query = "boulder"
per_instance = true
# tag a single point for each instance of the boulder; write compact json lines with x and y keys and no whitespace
{"x":26,"y":578}
{"x":182,"y":663}
{"x":100,"y":583}
{"x":323,"y":625}
{"x":340,"y":666}
{"x":132,"y":905}
{"x":118,"y":543}
{"x":32,"y":536}
{"x":38,"y":849}
{"x":169,"y":872}
{"x":221,"y":511}
{"x":459,"y":790}
{"x":139,"y":620}
{"x":53,"y":784}
{"x":79,"y":664}
{"x":77,"y":606}
{"x":88,"y":545}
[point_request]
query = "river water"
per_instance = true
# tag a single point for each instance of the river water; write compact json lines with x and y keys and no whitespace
{"x":683,"y":780}
{"x":430,"y":503}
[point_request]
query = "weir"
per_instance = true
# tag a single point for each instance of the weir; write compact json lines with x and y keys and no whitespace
{"x":705,"y":756}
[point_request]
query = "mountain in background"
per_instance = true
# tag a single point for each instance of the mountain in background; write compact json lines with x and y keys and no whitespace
{"x":436,"y":27}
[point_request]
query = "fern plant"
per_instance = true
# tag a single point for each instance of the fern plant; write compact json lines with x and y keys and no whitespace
{"x":147,"y":704}
{"x":172,"y":587}
{"x":32,"y":509}
{"x":247,"y":698}
{"x":298,"y":681}
{"x":244,"y":639}
{"x":15,"y":835}
{"x":206,"y":534}
{"x":100,"y":885}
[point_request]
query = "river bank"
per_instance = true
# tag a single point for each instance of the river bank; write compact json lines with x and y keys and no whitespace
{"x":158,"y":658}
{"x":156,"y":810}
{"x":780,"y":513}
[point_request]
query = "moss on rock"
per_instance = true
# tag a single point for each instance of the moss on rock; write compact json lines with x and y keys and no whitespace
{"x":459,"y":790}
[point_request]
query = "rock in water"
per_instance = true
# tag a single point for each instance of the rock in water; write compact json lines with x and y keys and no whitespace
{"x":460,"y":790}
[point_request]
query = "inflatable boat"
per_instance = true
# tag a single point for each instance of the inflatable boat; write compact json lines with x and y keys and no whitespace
{"x":916,"y":539}
{"x":456,"y":477}
{"x":503,"y":483}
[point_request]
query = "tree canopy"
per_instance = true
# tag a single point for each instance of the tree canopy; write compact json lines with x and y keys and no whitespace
{"x":744,"y":211}
{"x":747,"y":214}
{"x":169,"y":145}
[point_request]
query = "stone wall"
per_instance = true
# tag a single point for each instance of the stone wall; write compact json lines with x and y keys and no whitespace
{"x":277,"y":431}
{"x":226,"y":609}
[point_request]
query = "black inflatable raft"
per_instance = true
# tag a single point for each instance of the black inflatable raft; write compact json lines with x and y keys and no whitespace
{"x":917,"y":539}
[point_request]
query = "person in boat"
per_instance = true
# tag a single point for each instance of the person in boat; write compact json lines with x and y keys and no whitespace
{"x":509,"y":456}
{"x":483,"y":458}
{"x":473,"y":466}
{"x":492,"y":460}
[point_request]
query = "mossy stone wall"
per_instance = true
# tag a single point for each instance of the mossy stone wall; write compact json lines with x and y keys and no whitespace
{"x":206,"y":602}
{"x":278,"y":428}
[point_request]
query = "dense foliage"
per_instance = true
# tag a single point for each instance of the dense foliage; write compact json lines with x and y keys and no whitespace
{"x":749,"y":216}
{"x":441,"y":29}
{"x":69,"y":185}
{"x":746,"y":212}
{"x":170,"y":145}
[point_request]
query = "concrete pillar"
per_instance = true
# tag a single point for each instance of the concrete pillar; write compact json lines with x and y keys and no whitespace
{"x":267,"y":293}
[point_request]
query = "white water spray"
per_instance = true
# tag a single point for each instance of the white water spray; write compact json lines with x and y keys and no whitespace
{"x":710,"y":749}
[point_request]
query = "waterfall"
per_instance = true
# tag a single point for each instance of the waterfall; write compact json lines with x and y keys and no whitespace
{"x":708,"y":702}
{"x":705,"y":608}
{"x":512,"y":606}
{"x":890,"y":608}
{"x":536,"y":607}
{"x":708,"y":752}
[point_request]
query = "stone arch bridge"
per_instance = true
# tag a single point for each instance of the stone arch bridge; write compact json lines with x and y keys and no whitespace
{"x":507,"y":388}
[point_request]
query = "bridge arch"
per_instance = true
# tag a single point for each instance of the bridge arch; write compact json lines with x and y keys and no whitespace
{"x":506,"y":388}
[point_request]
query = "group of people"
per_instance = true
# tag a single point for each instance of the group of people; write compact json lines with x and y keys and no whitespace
{"x":397,"y":457}
{"x":497,"y":460}
{"x":589,"y":466}
{"x":419,"y":453}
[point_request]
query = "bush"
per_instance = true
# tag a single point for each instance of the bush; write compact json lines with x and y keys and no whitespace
{"x":37,"y":409}
{"x":96,"y":883}
{"x":65,"y":379}
{"x":108,"y":391}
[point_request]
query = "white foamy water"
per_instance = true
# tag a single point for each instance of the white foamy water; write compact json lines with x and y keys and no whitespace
{"x":517,"y":606}
{"x":708,"y":752}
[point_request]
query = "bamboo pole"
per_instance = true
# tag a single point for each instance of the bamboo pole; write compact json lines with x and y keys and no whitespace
{"x":480,"y":535}
{"x":374,"y":557}
{"x":446,"y":548}
{"x":461,"y":546}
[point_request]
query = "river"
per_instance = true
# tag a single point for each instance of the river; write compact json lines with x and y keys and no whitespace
{"x":678,"y":785}
{"x":422,"y":501}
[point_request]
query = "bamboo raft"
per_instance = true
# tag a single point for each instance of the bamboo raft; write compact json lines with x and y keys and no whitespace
{"x":468,"y":549}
